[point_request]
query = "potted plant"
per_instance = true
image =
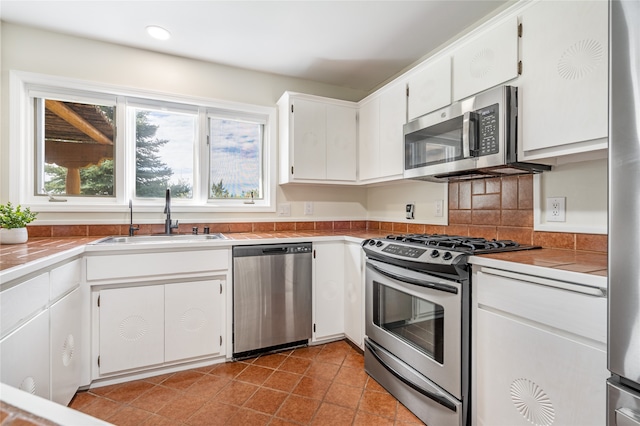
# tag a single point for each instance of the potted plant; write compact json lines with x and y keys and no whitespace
{"x":13,"y":222}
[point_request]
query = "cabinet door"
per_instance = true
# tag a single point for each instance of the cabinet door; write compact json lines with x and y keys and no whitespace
{"x":341,"y":143}
{"x":393,"y":116}
{"x":24,"y":357}
{"x":66,"y":347}
{"x":429,"y":88}
{"x":309,"y":136}
{"x":131,"y":328}
{"x":486,"y":61}
{"x":528,"y":375}
{"x":369,"y":138}
{"x":328,"y":290}
{"x":563,"y":87}
{"x":353,"y":294}
{"x":193,"y":319}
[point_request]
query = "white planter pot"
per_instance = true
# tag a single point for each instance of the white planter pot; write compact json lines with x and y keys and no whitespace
{"x":13,"y":236}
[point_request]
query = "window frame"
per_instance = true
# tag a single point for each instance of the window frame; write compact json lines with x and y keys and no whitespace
{"x":23,"y":149}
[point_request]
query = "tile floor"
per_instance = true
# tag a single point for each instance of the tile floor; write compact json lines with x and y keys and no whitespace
{"x":318,"y":385}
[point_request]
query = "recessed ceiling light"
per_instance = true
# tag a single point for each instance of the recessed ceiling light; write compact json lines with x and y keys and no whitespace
{"x":158,"y":32}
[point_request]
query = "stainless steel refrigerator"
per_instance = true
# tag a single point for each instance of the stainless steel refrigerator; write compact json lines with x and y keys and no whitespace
{"x":623,"y":351}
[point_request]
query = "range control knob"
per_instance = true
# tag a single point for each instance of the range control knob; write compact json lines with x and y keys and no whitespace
{"x":447,"y":256}
{"x":379,"y":244}
{"x":372,"y":242}
{"x":434,"y":254}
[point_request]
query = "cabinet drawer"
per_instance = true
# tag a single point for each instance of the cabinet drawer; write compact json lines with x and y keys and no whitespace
{"x":140,"y":265}
{"x":581,"y":314}
{"x":64,"y":278}
{"x":22,"y":301}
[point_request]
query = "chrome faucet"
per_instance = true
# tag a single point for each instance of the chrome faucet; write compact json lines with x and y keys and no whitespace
{"x":168,"y":224}
{"x":132,"y":229}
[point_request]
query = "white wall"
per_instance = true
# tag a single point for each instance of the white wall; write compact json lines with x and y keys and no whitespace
{"x":32,"y":50}
{"x":584,"y":185}
{"x":387,"y":203}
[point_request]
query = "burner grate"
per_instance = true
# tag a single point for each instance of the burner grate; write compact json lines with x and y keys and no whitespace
{"x":456,"y":242}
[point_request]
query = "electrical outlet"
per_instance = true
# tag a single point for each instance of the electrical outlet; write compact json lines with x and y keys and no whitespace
{"x":439,"y":208}
{"x":410,"y":209}
{"x":556,"y":209}
{"x":308,"y":208}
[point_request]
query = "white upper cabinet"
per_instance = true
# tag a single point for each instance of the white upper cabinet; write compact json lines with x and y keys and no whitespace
{"x":318,"y":138}
{"x":429,"y":87}
{"x":489,"y":59}
{"x":381,"y":137}
{"x":563,"y":87}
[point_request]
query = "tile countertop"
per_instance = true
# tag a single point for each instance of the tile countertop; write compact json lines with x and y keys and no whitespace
{"x":590,"y":263}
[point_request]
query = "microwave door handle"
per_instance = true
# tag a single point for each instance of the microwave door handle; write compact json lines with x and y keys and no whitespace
{"x":469,"y":134}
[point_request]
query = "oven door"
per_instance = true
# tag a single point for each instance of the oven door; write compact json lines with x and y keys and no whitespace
{"x":417,"y":318}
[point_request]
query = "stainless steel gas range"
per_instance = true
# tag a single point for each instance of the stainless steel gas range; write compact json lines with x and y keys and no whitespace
{"x":417,"y":312}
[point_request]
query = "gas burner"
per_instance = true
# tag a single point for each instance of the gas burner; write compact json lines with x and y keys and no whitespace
{"x":470,"y":245}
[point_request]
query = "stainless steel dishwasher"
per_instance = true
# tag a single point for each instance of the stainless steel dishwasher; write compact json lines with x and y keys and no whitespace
{"x":271,"y":297}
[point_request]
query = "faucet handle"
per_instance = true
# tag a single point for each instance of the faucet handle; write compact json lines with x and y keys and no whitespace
{"x":174,"y":226}
{"x":194,"y":230}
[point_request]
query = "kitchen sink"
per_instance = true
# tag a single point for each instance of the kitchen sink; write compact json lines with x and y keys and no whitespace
{"x":162,"y":238}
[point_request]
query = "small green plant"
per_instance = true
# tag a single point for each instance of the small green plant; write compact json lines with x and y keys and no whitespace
{"x":11,"y":217}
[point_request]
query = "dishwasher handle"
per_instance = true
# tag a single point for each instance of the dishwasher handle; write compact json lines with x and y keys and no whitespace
{"x":275,"y":250}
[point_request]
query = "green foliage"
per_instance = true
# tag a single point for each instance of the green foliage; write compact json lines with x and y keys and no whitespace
{"x":11,"y":217}
{"x":219,"y":191}
{"x":152,"y":174}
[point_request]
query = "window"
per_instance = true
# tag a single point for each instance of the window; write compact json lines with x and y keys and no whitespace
{"x":76,"y":148}
{"x":97,"y":147}
{"x":235,"y":159}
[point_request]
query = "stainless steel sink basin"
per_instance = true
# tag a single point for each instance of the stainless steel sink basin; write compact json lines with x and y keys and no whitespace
{"x":146,"y":239}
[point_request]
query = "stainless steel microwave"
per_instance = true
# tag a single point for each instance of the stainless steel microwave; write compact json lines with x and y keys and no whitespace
{"x":473,"y":138}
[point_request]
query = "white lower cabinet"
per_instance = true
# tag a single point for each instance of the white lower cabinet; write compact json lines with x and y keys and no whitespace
{"x":66,"y":347}
{"x":24,"y":356}
{"x":149,"y":326}
{"x":193,"y":321}
{"x":353,"y":294}
{"x":328,"y":290}
{"x":539,"y":350}
{"x":131,"y":328}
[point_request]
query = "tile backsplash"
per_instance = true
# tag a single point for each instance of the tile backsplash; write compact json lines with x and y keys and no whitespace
{"x":494,"y":208}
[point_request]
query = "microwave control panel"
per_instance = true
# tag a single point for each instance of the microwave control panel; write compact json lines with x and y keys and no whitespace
{"x":488,"y":130}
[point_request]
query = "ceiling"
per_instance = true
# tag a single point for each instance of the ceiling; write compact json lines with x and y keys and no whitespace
{"x":357,"y":44}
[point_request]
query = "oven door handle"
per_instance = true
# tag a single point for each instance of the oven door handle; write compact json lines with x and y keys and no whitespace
{"x":436,"y":396}
{"x":422,"y":283}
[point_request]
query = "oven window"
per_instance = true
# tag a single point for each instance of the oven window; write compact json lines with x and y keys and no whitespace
{"x":416,"y":321}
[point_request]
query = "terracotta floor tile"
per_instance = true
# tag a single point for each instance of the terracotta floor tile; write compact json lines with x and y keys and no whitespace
{"x":155,"y":399}
{"x":208,"y":386}
{"x":282,"y":380}
{"x":354,"y":360}
{"x":270,"y":361}
{"x":129,"y":416}
{"x":295,"y":365}
{"x":281,"y":422}
{"x":312,"y":387}
{"x":229,"y":369}
{"x":254,"y":374}
{"x":127,"y":392}
{"x":245,"y":417}
{"x":352,"y":376}
{"x":158,"y":379}
{"x":322,"y":370}
{"x":309,"y":352}
{"x":298,"y":409}
{"x":156,"y":420}
{"x":368,"y":419}
{"x":332,"y":357}
{"x":330,"y":414}
{"x":236,"y":393}
{"x":101,"y":408}
{"x":372,"y":385}
{"x":343,"y":395}
{"x":212,"y":413}
{"x":266,"y":400}
{"x":182,"y":379}
{"x":182,"y":407}
{"x":378,"y":403}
